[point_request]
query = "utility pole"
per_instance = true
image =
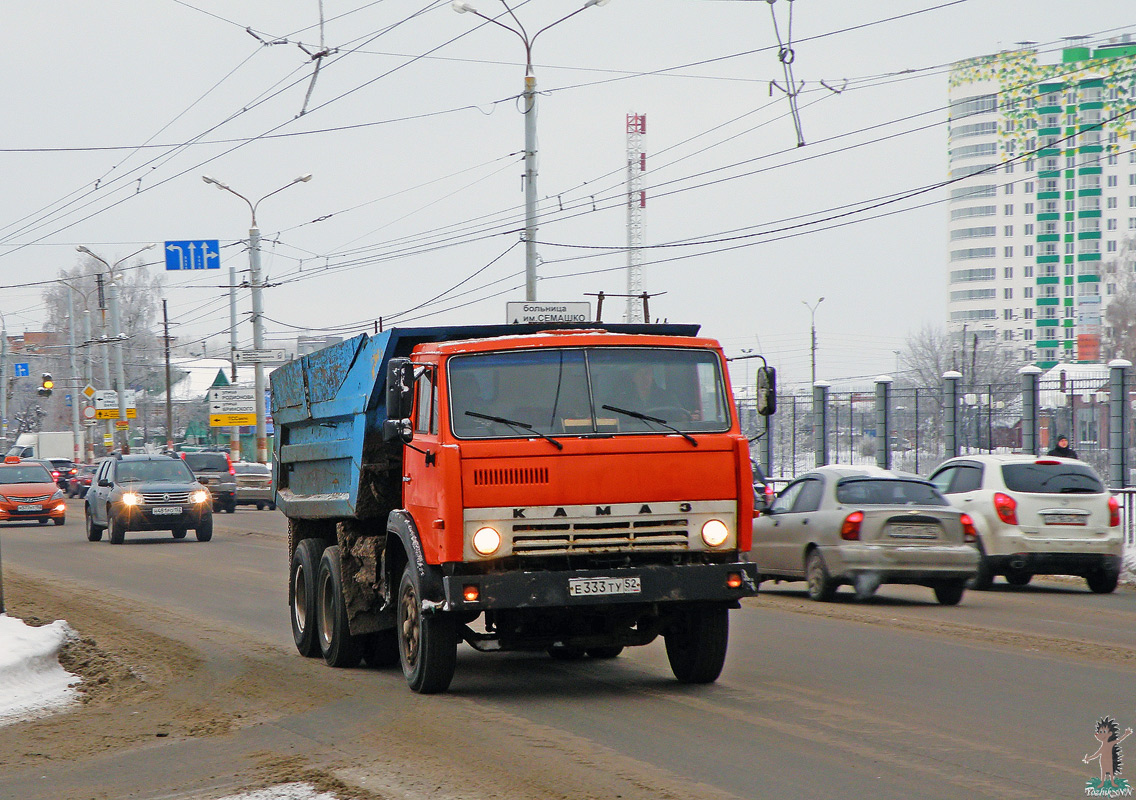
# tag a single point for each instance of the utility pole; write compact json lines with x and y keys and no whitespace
{"x":75,"y":428}
{"x":122,"y":423}
{"x":812,"y":326}
{"x":235,"y":431}
{"x":636,"y":208}
{"x":3,"y":391}
{"x":169,"y":388}
{"x":108,"y":433}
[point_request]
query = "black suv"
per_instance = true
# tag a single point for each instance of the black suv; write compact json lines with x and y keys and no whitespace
{"x":214,"y":469}
{"x":146,"y":493}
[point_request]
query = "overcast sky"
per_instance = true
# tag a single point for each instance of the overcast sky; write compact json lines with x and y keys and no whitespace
{"x":413,"y":135}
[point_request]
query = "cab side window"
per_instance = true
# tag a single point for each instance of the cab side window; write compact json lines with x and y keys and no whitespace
{"x":104,"y":472}
{"x":426,"y":420}
{"x":942,"y":478}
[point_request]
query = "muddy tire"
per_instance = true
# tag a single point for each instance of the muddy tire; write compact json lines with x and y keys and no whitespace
{"x":949,"y":593}
{"x":984,"y":578}
{"x":302,"y":595}
{"x":94,"y":532}
{"x":60,"y":520}
{"x":822,"y":587}
{"x":610,"y":651}
{"x":179,"y":533}
{"x":204,"y":529}
{"x":1103,"y":581}
{"x":115,"y":529}
{"x":339,"y":648}
{"x":1018,"y":577}
{"x":427,"y":643}
{"x":696,"y":643}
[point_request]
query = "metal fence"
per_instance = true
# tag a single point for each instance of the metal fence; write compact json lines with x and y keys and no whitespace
{"x":989,"y":419}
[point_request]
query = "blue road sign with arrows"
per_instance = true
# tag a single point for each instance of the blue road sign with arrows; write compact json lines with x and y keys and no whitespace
{"x":193,"y":254}
{"x":21,"y":370}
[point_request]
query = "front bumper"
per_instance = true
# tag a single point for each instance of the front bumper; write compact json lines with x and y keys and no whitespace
{"x":893,"y":564}
{"x":549,"y":589}
{"x":50,"y":509}
{"x":143,"y":518}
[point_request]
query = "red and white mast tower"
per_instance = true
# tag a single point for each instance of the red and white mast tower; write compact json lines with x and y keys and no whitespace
{"x":636,"y":208}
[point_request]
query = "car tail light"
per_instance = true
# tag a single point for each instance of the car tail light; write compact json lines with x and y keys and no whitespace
{"x":850,"y":530}
{"x":55,"y":474}
{"x":1113,"y":512}
{"x":969,"y":533}
{"x":1007,"y":508}
{"x":1047,"y":462}
{"x":229,"y":461}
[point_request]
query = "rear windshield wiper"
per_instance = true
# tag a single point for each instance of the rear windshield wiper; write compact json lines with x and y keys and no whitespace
{"x":514,"y":424}
{"x":656,"y":420}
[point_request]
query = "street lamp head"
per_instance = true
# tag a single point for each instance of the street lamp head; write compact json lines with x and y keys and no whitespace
{"x":214,"y":181}
{"x":461,"y":7}
{"x":83,"y":249}
{"x":307,"y":176}
{"x":591,"y":3}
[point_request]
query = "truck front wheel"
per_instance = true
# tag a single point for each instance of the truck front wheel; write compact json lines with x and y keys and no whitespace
{"x":302,"y":595}
{"x":696,"y":643}
{"x":339,"y":647}
{"x":427,"y":643}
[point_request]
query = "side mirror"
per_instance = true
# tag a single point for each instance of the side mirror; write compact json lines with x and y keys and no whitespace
{"x":766,"y":391}
{"x":398,"y":430}
{"x":400,"y":388}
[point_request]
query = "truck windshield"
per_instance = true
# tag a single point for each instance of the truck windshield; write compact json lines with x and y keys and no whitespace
{"x":561,"y":392}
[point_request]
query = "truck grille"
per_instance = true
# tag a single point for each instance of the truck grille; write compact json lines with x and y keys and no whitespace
{"x":563,"y":538}
{"x":161,"y":498}
{"x":520,"y":476}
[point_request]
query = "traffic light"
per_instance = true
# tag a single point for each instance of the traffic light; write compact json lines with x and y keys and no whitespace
{"x":46,"y":384}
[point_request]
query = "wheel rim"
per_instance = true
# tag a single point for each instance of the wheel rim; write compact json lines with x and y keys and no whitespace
{"x":410,"y":628}
{"x":326,"y":610}
{"x":300,"y":599}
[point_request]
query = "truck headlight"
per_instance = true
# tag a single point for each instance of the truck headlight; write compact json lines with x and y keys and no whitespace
{"x":486,"y":541}
{"x":715,"y":533}
{"x":199,"y":496}
{"x":131,"y":499}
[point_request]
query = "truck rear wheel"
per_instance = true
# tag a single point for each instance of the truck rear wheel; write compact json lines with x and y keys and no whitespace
{"x":427,"y":643}
{"x":339,"y":647}
{"x":302,"y":595}
{"x":696,"y":643}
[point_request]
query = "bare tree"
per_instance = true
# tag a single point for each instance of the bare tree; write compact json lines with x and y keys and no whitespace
{"x":1120,"y":316}
{"x":932,"y":351}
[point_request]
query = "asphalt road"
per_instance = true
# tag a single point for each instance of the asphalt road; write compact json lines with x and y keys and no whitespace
{"x":896,"y":697}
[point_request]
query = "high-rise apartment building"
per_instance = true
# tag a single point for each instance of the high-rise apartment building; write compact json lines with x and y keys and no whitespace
{"x":1043,"y":197}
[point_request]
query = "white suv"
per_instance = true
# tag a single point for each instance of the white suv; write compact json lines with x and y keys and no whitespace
{"x":1036,"y":515}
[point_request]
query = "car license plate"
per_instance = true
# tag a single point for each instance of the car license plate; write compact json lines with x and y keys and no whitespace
{"x":913,"y":531}
{"x":584,"y":587}
{"x":1066,"y":519}
{"x":29,"y":507}
{"x":163,"y":510}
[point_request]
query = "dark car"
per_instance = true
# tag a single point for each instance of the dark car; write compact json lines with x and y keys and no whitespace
{"x":215,"y":470}
{"x":66,"y":468}
{"x":80,"y":481}
{"x":762,"y":487}
{"x":47,"y":464}
{"x":145,"y":493}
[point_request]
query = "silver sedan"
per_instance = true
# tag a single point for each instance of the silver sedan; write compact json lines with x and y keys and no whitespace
{"x":863,"y":526}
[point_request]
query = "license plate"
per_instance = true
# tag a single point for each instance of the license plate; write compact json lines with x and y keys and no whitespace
{"x":586,"y":587}
{"x":913,"y":531}
{"x":1066,"y":519}
{"x":29,"y":507}
{"x":161,"y":510}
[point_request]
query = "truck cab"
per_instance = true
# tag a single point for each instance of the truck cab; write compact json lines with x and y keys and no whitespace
{"x":568,"y":490}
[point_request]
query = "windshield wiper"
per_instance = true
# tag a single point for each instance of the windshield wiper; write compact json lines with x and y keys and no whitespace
{"x":656,"y":420}
{"x":513,"y":423}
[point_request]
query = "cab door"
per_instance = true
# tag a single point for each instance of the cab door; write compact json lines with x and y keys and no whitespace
{"x":97,"y":495}
{"x":421,"y":475}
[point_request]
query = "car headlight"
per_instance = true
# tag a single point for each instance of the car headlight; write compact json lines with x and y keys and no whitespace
{"x":58,"y":495}
{"x":4,"y":499}
{"x":199,"y":496}
{"x":486,"y":541}
{"x":131,"y":499}
{"x":715,"y":533}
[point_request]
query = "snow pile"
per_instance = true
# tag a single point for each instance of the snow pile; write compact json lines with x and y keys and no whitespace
{"x":1128,"y":574}
{"x":31,"y":681}
{"x":285,"y":791}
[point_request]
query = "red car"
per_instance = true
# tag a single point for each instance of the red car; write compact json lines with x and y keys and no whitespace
{"x":80,"y":480}
{"x":28,"y":492}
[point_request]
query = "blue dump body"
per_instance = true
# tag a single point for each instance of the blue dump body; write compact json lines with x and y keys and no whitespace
{"x":329,"y":408}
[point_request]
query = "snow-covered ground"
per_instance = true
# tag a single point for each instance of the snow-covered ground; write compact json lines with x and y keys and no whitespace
{"x":31,"y":681}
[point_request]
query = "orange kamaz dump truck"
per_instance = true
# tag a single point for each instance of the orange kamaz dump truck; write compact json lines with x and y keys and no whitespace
{"x":572,"y":490}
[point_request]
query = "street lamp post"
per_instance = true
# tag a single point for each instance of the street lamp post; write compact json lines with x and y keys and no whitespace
{"x":116,"y":337}
{"x":813,"y":327}
{"x":529,"y":96}
{"x":257,"y":304}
